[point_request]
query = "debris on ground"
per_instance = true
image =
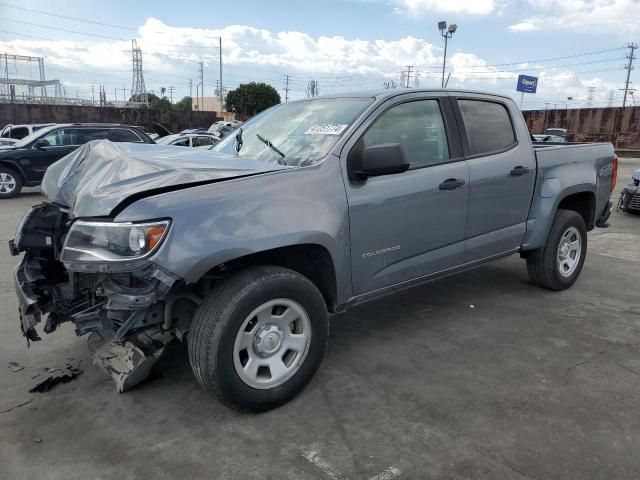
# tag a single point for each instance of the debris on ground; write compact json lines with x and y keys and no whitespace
{"x":15,"y":367}
{"x":37,"y":440}
{"x":129,"y":363}
{"x":56,"y":376}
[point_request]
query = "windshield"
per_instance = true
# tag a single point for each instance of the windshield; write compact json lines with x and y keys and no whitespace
{"x":296,"y":133}
{"x":30,"y":138}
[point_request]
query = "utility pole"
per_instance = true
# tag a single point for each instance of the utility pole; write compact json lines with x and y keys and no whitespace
{"x":590,"y":92}
{"x":629,"y":66}
{"x":171,"y":89}
{"x":286,"y":88}
{"x":202,"y":86}
{"x":191,"y":98}
{"x":93,"y":97}
{"x":221,"y":87}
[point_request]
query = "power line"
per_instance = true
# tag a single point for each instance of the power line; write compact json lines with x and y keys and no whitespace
{"x":68,"y":18}
{"x":97,"y":35}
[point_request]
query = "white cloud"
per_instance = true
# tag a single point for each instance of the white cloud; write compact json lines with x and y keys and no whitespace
{"x":524,"y":27}
{"x":420,"y":7}
{"x":597,"y":16}
{"x":249,"y":53}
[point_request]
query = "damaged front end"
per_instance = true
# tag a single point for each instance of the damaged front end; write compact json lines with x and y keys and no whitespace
{"x":97,"y":274}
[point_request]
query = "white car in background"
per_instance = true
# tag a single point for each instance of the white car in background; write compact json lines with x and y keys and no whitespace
{"x":188,"y":140}
{"x":10,"y":134}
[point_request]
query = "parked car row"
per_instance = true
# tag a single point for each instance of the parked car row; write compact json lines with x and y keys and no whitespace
{"x":24,"y":162}
{"x":27,"y":150}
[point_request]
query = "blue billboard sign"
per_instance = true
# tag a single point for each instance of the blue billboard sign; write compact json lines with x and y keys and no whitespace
{"x":527,"y":84}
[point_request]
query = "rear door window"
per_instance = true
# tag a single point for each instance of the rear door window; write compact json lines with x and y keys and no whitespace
{"x":203,"y":141}
{"x":19,"y":132}
{"x":488,"y":126}
{"x":123,"y":135}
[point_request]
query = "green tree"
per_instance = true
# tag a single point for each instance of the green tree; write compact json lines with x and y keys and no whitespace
{"x":184,"y":104}
{"x":251,"y":98}
{"x":160,"y":104}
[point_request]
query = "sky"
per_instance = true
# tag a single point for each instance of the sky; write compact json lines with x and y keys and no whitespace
{"x":345,"y":45}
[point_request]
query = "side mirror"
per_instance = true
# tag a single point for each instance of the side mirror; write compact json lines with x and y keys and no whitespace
{"x":40,"y":144}
{"x":383,"y":159}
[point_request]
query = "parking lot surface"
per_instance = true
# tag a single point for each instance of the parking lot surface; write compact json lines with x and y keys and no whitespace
{"x":479,"y":375}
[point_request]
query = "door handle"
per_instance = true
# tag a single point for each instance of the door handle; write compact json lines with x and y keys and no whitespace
{"x":451,"y":184}
{"x":519,"y":170}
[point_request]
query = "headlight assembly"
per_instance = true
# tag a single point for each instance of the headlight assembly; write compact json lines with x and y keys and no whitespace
{"x":106,"y":242}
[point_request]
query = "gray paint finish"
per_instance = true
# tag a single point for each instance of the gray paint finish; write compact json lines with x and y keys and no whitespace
{"x":380,"y":232}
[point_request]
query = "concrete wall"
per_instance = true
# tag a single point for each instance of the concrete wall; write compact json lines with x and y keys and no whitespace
{"x":36,"y":113}
{"x":622,"y":128}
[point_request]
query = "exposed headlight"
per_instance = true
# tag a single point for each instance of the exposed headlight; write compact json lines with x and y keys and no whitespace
{"x":100,"y":242}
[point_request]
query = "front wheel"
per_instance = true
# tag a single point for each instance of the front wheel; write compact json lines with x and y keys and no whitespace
{"x":10,"y":183}
{"x":259,"y":337}
{"x":558,"y":264}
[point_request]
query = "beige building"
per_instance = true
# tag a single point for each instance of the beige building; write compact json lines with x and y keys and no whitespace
{"x":206,"y":104}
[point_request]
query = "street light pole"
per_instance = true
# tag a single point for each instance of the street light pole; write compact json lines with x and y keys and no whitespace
{"x":446,"y":33}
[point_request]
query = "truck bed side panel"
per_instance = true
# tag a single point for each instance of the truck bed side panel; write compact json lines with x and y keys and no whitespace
{"x":564,"y":170}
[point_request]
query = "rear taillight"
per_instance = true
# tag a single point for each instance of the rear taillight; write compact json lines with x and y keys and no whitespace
{"x":614,"y":174}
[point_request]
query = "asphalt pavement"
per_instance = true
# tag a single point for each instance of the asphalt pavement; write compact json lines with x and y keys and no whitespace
{"x":479,"y":375}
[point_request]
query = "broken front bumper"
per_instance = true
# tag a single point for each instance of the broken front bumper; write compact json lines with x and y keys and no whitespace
{"x":28,"y":309}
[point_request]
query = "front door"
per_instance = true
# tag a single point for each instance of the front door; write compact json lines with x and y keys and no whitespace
{"x":59,"y":143}
{"x":409,"y":225}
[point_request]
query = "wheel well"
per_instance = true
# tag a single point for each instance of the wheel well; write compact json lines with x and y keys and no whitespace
{"x":311,"y":260}
{"x":583,"y":203}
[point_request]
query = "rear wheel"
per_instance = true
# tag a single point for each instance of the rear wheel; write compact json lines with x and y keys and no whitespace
{"x":258,"y":338}
{"x":558,"y":264}
{"x":10,"y":183}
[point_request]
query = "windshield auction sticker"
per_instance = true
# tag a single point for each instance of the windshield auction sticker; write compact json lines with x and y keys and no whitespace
{"x":326,"y":129}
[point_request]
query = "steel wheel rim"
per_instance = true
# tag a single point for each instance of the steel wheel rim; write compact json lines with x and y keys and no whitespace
{"x":7,"y":183}
{"x":272,"y":343}
{"x":569,"y":251}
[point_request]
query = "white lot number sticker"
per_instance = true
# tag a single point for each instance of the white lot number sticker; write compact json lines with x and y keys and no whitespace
{"x":326,"y":129}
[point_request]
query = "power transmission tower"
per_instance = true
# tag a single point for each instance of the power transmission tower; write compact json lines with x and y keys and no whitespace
{"x":590,"y":92}
{"x":390,"y":84}
{"x":629,"y":66}
{"x":611,"y":99}
{"x":286,"y":88}
{"x":312,"y":88}
{"x":171,"y":89}
{"x":138,"y":89}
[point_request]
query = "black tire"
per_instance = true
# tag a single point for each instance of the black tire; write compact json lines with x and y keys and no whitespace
{"x":542,"y":264}
{"x":218,"y":319}
{"x":17,"y":185}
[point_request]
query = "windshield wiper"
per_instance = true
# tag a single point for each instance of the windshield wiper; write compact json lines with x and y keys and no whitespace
{"x":268,"y":143}
{"x":239,"y":140}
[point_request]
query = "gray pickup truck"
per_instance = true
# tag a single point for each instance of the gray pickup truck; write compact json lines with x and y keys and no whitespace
{"x":311,"y":208}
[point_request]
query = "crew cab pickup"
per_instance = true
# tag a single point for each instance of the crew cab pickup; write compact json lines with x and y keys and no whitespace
{"x":308,"y":209}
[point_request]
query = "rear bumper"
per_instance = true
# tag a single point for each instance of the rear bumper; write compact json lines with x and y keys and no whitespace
{"x":30,"y":313}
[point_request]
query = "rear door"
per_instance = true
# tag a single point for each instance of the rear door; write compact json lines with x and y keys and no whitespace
{"x":412,"y":224}
{"x":501,"y":173}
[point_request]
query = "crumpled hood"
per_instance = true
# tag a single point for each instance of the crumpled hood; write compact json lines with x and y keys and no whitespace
{"x":95,"y":178}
